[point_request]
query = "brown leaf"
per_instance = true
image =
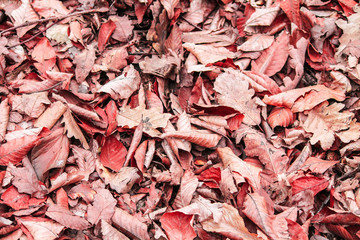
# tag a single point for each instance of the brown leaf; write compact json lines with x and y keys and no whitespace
{"x":26,"y":181}
{"x":209,"y":54}
{"x":102,"y":208}
{"x":262,"y":17}
{"x":66,"y":217}
{"x":25,"y":13}
{"x":32,"y":105}
{"x":189,"y":183}
{"x":235,"y":93}
{"x":257,"y":42}
{"x":84,"y":63}
{"x":124,"y":28}
{"x":198,"y":137}
{"x":301,"y":99}
{"x":124,"y":180}
{"x":257,"y":210}
{"x":231,"y":224}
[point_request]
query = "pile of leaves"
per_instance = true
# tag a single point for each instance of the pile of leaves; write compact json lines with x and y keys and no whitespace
{"x":169,"y":119}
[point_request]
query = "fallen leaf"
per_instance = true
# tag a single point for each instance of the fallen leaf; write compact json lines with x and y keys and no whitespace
{"x":32,"y":105}
{"x":4,"y":118}
{"x":209,"y":54}
{"x":51,"y":115}
{"x":103,"y":207}
{"x":324,"y":121}
{"x":105,"y":32}
{"x":123,"y":86}
{"x":66,"y":218}
{"x":315,"y":184}
{"x":72,"y":128}
{"x":42,"y":227}
{"x":110,"y":233}
{"x":84,"y":63}
{"x":231,"y":224}
{"x":178,"y":226}
{"x":25,"y":13}
{"x":51,"y":152}
{"x":113,"y":154}
{"x":123,"y":29}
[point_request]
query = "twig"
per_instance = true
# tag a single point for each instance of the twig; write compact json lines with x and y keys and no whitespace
{"x":34,"y":36}
{"x":143,"y":53}
{"x":195,"y":26}
{"x":54,"y":19}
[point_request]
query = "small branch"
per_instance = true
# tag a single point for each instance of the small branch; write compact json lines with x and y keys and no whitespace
{"x":34,"y":36}
{"x":143,"y":53}
{"x":198,"y":28}
{"x":54,"y":19}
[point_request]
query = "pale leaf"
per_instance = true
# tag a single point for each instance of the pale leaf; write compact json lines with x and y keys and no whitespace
{"x":32,"y":105}
{"x":262,"y":17}
{"x":257,"y":42}
{"x":324,"y":121}
{"x":231,"y":224}
{"x":102,"y":208}
{"x":130,"y":223}
{"x":51,"y":115}
{"x":257,"y":210}
{"x":209,"y":54}
{"x":110,"y":233}
{"x":41,"y":228}
{"x":152,"y":119}
{"x":198,"y":137}
{"x":123,"y":86}
{"x":25,"y":13}
{"x":72,"y":129}
{"x":4,"y":118}
{"x":65,"y":217}
{"x":234,"y":92}
{"x":250,"y":172}
{"x":189,"y":183}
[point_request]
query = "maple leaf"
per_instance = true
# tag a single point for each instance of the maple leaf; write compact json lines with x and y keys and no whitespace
{"x":324,"y":121}
{"x":152,"y":119}
{"x":235,"y":93}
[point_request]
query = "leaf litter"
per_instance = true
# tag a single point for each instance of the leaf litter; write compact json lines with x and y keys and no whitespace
{"x":168,"y":119}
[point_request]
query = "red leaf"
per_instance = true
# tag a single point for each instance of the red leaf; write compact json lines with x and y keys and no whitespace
{"x":340,"y":231}
{"x":211,"y":177}
{"x":273,"y":58}
{"x":296,"y":231}
{"x":315,"y":184}
{"x":111,"y":112}
{"x":292,"y":10}
{"x":113,"y":154}
{"x":140,"y":155}
{"x":15,"y":150}
{"x":282,"y":117}
{"x":178,"y":226}
{"x":14,"y":199}
{"x":105,"y":32}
